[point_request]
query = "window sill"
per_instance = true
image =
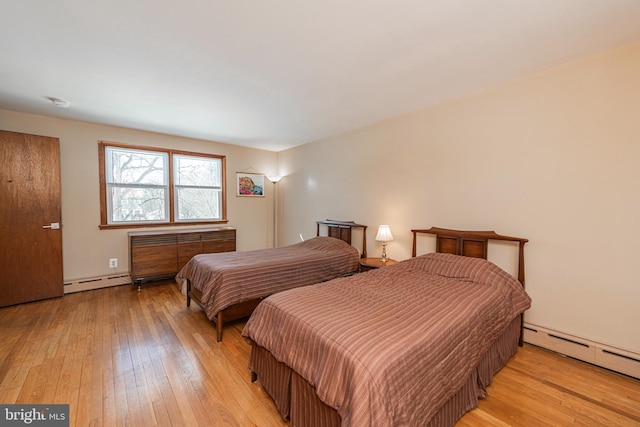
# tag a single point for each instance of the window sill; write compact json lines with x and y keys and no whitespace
{"x":159,"y":224}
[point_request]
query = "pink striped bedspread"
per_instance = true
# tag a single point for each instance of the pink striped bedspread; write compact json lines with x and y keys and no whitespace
{"x":390,"y":346}
{"x":230,"y":278}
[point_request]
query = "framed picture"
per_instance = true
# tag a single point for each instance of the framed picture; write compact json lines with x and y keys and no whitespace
{"x":249,"y":184}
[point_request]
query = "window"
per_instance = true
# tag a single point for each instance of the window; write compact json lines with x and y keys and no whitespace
{"x":198,"y":187}
{"x":142,"y":186}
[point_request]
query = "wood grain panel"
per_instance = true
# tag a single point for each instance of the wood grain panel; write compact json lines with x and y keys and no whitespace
{"x":30,"y":199}
{"x":160,"y":254}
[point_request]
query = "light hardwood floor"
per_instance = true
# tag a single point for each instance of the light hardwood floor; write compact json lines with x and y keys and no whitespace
{"x":121,"y":357}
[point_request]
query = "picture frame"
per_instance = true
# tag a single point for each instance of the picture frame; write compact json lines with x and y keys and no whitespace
{"x":249,"y":184}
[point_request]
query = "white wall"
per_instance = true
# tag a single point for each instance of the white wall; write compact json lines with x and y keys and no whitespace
{"x":86,"y":248}
{"x":553,"y":158}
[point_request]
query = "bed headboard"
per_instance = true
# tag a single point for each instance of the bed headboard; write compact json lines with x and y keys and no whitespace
{"x":342,"y":230}
{"x":470,"y":243}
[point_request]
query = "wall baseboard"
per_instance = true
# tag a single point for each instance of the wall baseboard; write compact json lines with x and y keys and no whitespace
{"x":90,"y":283}
{"x":615,"y":359}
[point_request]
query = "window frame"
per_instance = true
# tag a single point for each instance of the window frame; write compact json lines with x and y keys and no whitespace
{"x":172,"y":208}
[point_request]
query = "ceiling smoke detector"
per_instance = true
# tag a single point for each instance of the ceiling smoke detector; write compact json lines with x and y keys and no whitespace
{"x":59,"y":103}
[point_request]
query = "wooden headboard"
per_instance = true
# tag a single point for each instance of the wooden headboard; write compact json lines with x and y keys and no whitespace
{"x":342,"y":230}
{"x":470,"y":243}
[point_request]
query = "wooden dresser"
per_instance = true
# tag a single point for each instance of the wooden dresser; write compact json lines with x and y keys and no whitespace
{"x":157,"y":255}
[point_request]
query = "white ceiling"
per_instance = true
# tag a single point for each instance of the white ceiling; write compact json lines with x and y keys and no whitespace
{"x":273,"y":74}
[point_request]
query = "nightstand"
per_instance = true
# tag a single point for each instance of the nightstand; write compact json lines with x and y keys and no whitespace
{"x":367,"y":264}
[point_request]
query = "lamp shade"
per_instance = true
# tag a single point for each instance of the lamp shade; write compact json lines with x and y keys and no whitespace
{"x":384,"y":234}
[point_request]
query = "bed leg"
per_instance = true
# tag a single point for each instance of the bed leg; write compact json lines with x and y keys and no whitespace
{"x":254,"y":377}
{"x":219,"y":326}
{"x":188,"y":293}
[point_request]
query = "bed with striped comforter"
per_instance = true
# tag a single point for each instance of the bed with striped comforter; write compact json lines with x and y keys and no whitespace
{"x":391,"y":346}
{"x":229,"y":278}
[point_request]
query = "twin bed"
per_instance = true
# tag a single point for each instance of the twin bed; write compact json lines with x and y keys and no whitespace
{"x":229,"y":285}
{"x":414,"y":343}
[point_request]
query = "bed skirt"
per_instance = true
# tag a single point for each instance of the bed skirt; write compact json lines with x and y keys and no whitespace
{"x":297,"y":401}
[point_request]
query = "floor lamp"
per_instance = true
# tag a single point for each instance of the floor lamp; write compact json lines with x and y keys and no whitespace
{"x":275,"y":180}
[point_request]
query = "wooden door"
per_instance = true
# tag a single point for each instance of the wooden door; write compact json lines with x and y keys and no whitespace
{"x":30,"y":218}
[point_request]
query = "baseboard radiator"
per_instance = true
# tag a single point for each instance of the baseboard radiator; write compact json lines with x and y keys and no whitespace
{"x":90,"y":283}
{"x":615,"y":359}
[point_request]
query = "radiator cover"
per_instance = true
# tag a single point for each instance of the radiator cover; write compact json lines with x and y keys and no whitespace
{"x":615,"y":359}
{"x":155,"y":255}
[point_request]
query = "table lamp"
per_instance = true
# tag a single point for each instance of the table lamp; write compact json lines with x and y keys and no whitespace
{"x":384,"y":236}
